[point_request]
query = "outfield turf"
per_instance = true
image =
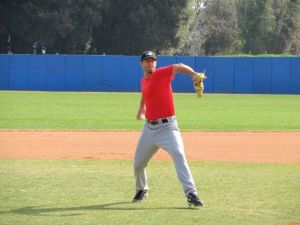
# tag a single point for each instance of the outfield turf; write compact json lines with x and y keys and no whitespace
{"x":116,"y":111}
{"x":99,"y":192}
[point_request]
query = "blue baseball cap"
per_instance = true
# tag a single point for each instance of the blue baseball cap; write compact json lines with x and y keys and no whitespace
{"x":147,"y":55}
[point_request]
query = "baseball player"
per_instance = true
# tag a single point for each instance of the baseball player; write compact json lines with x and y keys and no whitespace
{"x":161,"y":129}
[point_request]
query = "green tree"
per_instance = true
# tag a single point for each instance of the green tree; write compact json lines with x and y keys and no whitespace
{"x":93,"y":26}
{"x":264,"y":26}
{"x":195,"y":37}
{"x":221,"y":27}
{"x":287,"y":29}
{"x":52,"y":25}
{"x":257,"y":25}
{"x":16,"y":21}
{"x":68,"y":25}
{"x":130,"y":27}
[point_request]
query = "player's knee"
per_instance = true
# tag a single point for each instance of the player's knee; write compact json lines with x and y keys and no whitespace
{"x":139,"y":165}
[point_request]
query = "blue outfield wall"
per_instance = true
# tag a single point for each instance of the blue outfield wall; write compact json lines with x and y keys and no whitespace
{"x":245,"y":75}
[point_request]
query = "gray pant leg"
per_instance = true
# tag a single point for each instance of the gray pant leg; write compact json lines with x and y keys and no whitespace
{"x":171,"y":141}
{"x":144,"y":151}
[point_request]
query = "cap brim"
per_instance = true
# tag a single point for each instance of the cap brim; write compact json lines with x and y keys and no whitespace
{"x":150,"y":57}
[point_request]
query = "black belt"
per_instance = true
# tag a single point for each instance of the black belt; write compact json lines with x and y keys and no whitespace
{"x":155,"y":122}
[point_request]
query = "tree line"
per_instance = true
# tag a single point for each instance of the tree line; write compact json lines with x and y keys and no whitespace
{"x":128,"y":27}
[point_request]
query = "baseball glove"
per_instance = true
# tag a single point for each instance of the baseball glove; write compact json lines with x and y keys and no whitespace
{"x":198,"y":84}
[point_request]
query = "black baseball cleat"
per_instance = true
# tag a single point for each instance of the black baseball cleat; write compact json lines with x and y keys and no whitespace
{"x":194,"y":200}
{"x":140,"y":195}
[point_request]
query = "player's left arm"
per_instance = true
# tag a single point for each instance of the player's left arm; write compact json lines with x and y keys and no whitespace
{"x":185,"y":69}
{"x":197,"y":77}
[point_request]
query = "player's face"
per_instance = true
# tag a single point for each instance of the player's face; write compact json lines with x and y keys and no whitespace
{"x":149,"y":65}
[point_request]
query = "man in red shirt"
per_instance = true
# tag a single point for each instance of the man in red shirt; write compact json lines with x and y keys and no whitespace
{"x":161,"y":128}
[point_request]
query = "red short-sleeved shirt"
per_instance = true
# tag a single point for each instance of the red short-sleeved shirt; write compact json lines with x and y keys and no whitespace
{"x":157,"y":93}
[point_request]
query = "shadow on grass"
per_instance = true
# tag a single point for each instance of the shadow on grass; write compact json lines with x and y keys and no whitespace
{"x":76,"y":211}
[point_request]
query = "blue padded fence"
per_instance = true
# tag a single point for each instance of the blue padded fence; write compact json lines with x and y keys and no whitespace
{"x":257,"y":75}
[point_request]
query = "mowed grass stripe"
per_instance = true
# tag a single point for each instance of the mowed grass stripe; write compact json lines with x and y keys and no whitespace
{"x":116,"y":111}
{"x":99,"y":192}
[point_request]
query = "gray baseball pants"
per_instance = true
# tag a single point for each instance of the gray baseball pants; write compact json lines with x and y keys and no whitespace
{"x":166,"y":136}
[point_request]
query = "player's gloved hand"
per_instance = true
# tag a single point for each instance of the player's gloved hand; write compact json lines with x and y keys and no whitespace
{"x":198,"y":84}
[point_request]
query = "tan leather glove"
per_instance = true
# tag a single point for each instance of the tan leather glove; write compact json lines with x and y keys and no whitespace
{"x":198,"y":84}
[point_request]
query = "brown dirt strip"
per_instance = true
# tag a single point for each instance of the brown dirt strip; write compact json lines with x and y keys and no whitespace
{"x":261,"y":147}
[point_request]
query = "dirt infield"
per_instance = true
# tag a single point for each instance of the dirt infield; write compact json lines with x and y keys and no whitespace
{"x":270,"y":147}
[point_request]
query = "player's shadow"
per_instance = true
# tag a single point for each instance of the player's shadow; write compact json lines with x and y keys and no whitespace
{"x":73,"y":211}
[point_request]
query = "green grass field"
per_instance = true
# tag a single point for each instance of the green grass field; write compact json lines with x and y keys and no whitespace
{"x":87,"y":192}
{"x":116,"y":111}
{"x":99,"y":192}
